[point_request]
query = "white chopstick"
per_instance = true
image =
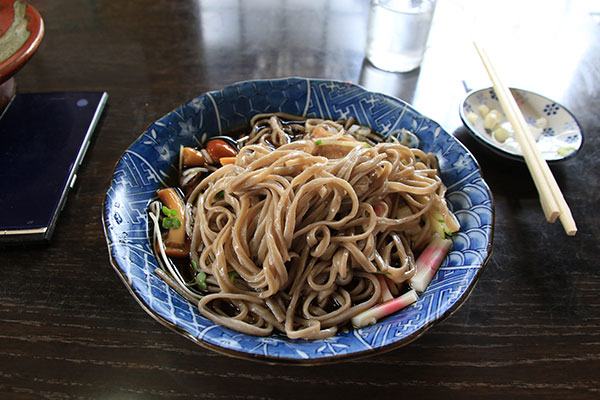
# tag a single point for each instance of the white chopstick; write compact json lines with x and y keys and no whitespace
{"x":551,"y":198}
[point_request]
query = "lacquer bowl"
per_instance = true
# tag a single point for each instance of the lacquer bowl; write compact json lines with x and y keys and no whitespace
{"x":20,"y":36}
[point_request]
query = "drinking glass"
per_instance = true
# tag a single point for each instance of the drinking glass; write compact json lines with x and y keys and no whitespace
{"x":397,"y":33}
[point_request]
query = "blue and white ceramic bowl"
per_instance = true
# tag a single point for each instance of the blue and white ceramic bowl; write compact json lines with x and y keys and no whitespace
{"x":149,"y":164}
{"x":560,"y":136}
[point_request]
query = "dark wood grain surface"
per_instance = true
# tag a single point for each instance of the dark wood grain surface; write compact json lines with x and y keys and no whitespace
{"x":531,"y":328}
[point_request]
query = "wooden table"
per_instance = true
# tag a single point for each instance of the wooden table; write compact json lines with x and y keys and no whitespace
{"x":531,"y":328}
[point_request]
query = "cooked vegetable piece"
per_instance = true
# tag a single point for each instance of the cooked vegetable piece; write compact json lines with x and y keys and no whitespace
{"x":444,"y":224}
{"x":320,"y":132}
{"x":428,"y":263}
{"x":541,"y":123}
{"x":200,"y":280}
{"x":370,"y":316}
{"x":218,"y":148}
{"x":227,"y":160}
{"x":492,"y":119}
{"x":565,"y":151}
{"x":193,"y":157}
{"x":175,"y":243}
{"x":501,"y":134}
{"x":472,"y":117}
{"x":483,"y":110}
{"x":386,"y":295}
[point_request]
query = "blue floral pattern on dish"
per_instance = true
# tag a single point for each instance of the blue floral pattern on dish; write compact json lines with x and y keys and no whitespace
{"x":551,"y":109}
{"x":148,"y":164}
{"x":561,"y":129}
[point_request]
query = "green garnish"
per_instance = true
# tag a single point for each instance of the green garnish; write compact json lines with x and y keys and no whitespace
{"x":168,"y":212}
{"x":194,"y":265}
{"x":382,"y":272}
{"x":170,"y":220}
{"x":319,"y":142}
{"x":367,"y":145}
{"x":565,"y":151}
{"x":233,"y":275}
{"x":220,"y":195}
{"x":201,"y":280}
{"x":439,"y":224}
{"x":446,"y":233}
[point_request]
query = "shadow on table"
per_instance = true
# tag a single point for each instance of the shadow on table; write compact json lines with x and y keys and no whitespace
{"x":528,"y":251}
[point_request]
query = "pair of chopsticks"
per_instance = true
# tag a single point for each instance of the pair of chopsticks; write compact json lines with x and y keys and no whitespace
{"x":553,"y":202}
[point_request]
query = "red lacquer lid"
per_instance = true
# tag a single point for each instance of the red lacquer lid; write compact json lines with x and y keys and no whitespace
{"x":35,"y":25}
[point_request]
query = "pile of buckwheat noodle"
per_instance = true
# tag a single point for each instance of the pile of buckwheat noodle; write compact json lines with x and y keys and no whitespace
{"x":306,"y":219}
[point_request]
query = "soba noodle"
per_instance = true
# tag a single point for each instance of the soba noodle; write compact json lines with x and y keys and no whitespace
{"x":295,"y":235}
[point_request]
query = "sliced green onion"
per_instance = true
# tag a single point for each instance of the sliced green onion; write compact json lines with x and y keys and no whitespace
{"x":169,"y":212}
{"x":201,"y":280}
{"x":233,"y":275}
{"x":382,"y":272}
{"x":171,"y":222}
{"x":342,"y":143}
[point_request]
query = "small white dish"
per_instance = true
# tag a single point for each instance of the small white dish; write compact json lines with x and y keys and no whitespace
{"x":560,"y":136}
